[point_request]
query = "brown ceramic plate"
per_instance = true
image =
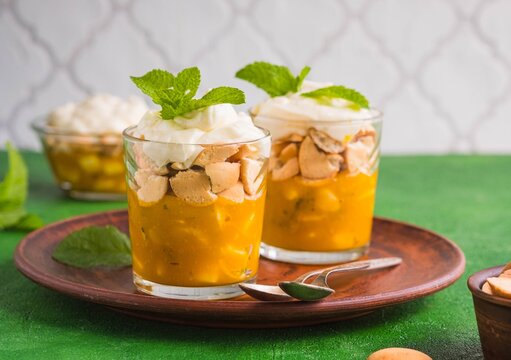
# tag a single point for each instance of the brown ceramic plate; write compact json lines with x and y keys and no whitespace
{"x":430,"y":263}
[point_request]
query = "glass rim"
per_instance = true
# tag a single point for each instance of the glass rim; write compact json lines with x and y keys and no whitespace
{"x":127,"y":136}
{"x":40,"y":125}
{"x":376,"y":117}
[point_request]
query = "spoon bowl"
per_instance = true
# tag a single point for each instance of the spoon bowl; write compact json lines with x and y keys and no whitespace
{"x":305,"y":292}
{"x":275,"y":293}
{"x":265,"y":292}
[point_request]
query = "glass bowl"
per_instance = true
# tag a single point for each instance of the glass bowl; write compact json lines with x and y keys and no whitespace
{"x":85,"y":166}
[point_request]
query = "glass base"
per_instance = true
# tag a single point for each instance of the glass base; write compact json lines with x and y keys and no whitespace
{"x":311,"y":257}
{"x":95,"y":196}
{"x":189,"y":293}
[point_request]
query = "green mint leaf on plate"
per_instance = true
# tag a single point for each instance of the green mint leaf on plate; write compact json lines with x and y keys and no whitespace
{"x":95,"y":246}
{"x":323,"y":95}
{"x":275,"y":80}
{"x":176,"y":93}
{"x":13,"y":194}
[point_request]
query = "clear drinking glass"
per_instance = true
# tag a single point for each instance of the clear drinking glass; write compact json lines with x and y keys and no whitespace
{"x":85,"y":166}
{"x":195,"y":228}
{"x":321,"y":189}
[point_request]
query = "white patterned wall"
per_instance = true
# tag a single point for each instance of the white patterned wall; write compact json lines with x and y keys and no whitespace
{"x":440,"y":69}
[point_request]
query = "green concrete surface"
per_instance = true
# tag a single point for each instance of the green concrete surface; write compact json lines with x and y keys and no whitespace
{"x":466,"y":198}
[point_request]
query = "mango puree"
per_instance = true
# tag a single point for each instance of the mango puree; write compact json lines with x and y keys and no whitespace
{"x":181,"y":244}
{"x":325,"y":215}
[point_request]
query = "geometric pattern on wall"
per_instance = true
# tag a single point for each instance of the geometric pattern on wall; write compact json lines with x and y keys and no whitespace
{"x":440,"y":69}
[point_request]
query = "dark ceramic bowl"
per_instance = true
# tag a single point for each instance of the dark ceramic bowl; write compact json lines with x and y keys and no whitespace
{"x":493,"y":314}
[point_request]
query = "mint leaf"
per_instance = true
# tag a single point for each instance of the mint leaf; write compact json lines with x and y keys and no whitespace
{"x":303,"y":74}
{"x":222,"y":94}
{"x":13,"y":189}
{"x":13,"y":194}
{"x":176,"y":94}
{"x":94,"y":246}
{"x":216,"y":96}
{"x":276,"y":80}
{"x":332,"y":92}
{"x":188,"y":81}
{"x":154,"y":81}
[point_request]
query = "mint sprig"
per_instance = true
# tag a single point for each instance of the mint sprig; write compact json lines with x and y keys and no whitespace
{"x":13,"y":194}
{"x":276,"y":80}
{"x":175,"y":93}
{"x":94,"y":246}
{"x":337,"y":91}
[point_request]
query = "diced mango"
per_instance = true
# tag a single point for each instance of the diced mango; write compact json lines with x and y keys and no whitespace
{"x":90,"y":163}
{"x":84,"y":165}
{"x":345,"y":241}
{"x":207,"y":275}
{"x":325,"y":200}
{"x":291,"y":193}
{"x":105,"y":185}
{"x":113,"y":167}
{"x":70,"y":175}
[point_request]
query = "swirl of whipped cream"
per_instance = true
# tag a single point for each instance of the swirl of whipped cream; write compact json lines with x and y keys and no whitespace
{"x":217,"y":124}
{"x":98,"y":114}
{"x":294,"y":113}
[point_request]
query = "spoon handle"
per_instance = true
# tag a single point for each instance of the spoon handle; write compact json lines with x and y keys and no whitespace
{"x":343,"y":267}
{"x":372,"y":264}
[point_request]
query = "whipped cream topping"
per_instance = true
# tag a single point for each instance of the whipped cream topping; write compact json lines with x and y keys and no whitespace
{"x":217,"y":124}
{"x":295,"y":113}
{"x":98,"y":114}
{"x":296,"y":107}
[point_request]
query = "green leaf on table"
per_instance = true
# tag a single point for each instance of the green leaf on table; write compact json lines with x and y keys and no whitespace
{"x":276,"y":80}
{"x":95,"y":246}
{"x":13,"y":194}
{"x":176,"y":93}
{"x":29,"y":222}
{"x":10,"y":216}
{"x":13,"y":189}
{"x":325,"y":94}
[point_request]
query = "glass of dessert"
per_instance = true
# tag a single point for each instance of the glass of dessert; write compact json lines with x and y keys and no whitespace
{"x":83,"y":144}
{"x":323,"y":167}
{"x":196,"y":174}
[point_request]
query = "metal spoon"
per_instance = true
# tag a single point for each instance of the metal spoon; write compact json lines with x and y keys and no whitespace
{"x":319,"y":288}
{"x":275,"y":293}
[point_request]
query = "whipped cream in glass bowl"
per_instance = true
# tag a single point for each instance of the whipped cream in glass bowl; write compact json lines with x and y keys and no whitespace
{"x":196,"y":192}
{"x":83,"y":144}
{"x":323,"y":170}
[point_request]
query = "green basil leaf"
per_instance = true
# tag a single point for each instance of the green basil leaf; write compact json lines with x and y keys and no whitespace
{"x":95,"y":246}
